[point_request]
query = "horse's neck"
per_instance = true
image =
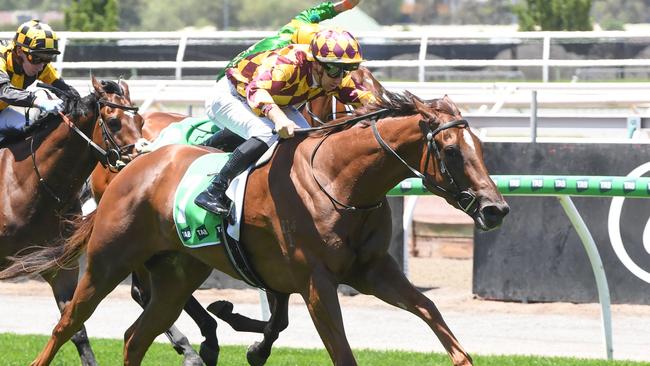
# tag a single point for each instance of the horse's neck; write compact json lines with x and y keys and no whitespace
{"x":363,"y":172}
{"x":64,"y":160}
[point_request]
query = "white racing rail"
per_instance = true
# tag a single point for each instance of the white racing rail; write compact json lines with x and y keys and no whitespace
{"x":424,"y":39}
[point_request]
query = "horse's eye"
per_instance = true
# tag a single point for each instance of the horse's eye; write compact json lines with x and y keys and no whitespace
{"x":453,"y":154}
{"x":115,"y":124}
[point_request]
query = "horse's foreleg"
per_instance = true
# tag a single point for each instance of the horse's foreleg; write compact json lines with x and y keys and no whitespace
{"x":169,"y":291}
{"x":259,"y":352}
{"x":140,"y":292}
{"x":90,"y":291}
{"x":63,"y":284}
{"x":385,"y":280}
{"x":323,"y":305}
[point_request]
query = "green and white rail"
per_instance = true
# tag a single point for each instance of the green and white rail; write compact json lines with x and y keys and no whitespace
{"x":562,"y":187}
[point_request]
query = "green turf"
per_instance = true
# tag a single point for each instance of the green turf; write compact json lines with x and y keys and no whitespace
{"x":22,"y":349}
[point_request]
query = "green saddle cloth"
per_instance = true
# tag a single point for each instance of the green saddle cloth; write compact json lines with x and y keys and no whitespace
{"x":190,"y":131}
{"x":195,"y":226}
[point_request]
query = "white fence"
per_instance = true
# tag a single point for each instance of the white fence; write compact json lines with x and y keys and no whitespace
{"x":543,"y":40}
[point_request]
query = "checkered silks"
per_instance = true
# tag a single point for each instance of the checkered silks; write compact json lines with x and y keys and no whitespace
{"x":336,"y":45}
{"x":35,"y":36}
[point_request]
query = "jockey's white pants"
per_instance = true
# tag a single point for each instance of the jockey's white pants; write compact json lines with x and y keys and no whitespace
{"x":227,"y":109}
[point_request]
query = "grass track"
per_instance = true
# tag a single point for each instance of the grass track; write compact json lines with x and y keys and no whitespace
{"x":22,"y":349}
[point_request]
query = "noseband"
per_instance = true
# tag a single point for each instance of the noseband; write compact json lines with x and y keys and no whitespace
{"x":465,"y":199}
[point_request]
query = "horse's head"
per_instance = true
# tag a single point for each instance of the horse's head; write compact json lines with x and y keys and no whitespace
{"x":119,"y":126}
{"x":452,"y":158}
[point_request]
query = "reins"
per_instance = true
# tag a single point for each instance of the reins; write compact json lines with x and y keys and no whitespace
{"x":465,"y":199}
{"x":109,"y":158}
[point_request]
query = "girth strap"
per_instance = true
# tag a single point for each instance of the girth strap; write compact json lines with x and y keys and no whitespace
{"x":238,"y":259}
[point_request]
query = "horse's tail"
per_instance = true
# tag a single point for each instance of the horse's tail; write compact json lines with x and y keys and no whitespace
{"x":50,"y":259}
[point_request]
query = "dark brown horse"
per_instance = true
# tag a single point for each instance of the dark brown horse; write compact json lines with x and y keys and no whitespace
{"x":309,"y":224}
{"x":42,"y":176}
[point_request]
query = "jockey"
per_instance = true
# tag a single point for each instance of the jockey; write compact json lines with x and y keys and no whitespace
{"x":300,"y":29}
{"x":22,"y":62}
{"x":260,"y":93}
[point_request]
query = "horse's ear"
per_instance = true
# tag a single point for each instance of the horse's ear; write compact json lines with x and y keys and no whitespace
{"x":451,"y":104}
{"x":422,"y":108}
{"x":125,"y":89}
{"x":97,"y":86}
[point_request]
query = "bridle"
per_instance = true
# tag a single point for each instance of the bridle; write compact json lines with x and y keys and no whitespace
{"x":110,"y":158}
{"x":108,"y":137}
{"x":465,"y":199}
{"x":332,"y":115}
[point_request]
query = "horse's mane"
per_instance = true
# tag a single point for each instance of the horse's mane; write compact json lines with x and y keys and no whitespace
{"x":396,"y":104}
{"x":112,"y":87}
{"x":77,"y":108}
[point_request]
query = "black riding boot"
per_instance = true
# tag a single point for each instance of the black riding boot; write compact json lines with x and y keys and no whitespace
{"x":224,"y":140}
{"x":214,"y":198}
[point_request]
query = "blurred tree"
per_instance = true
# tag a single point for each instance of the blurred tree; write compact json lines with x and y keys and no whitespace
{"x":130,"y":14}
{"x":554,"y":15}
{"x":272,"y":14}
{"x":168,"y":15}
{"x":92,"y":15}
{"x":485,"y":12}
{"x":384,"y":11}
{"x":613,"y":14}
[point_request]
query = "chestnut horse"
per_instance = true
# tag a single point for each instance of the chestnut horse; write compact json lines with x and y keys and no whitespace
{"x":317,"y":112}
{"x":42,"y":176}
{"x":314,"y":217}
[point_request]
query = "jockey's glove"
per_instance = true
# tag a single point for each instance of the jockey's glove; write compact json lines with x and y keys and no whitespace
{"x":48,"y":105}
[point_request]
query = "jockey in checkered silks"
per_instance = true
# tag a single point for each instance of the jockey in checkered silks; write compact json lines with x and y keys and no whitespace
{"x":259,"y":94}
{"x":26,"y":59}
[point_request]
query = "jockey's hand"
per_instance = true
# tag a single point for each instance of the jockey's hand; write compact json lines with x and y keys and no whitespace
{"x":344,"y":5}
{"x":285,"y":128}
{"x":48,"y":105}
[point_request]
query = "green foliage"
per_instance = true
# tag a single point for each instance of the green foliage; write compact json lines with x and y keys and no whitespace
{"x":92,"y":15}
{"x":131,"y":12}
{"x":554,"y":15}
{"x":613,"y":14}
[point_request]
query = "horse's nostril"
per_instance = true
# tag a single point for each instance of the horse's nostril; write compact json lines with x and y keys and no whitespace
{"x":494,"y":213}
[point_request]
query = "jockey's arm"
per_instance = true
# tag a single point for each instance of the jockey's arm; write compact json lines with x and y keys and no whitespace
{"x":12,"y":95}
{"x":50,"y":76}
{"x":349,"y":92}
{"x":344,"y":5}
{"x":283,"y":124}
{"x":62,"y":85}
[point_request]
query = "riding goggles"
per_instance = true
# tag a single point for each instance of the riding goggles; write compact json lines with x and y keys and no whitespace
{"x":338,"y":70}
{"x":40,"y":58}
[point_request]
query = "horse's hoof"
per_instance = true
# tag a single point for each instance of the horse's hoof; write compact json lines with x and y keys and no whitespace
{"x":209,"y":355}
{"x":220,"y":308}
{"x":192,"y":360}
{"x":253,"y":355}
